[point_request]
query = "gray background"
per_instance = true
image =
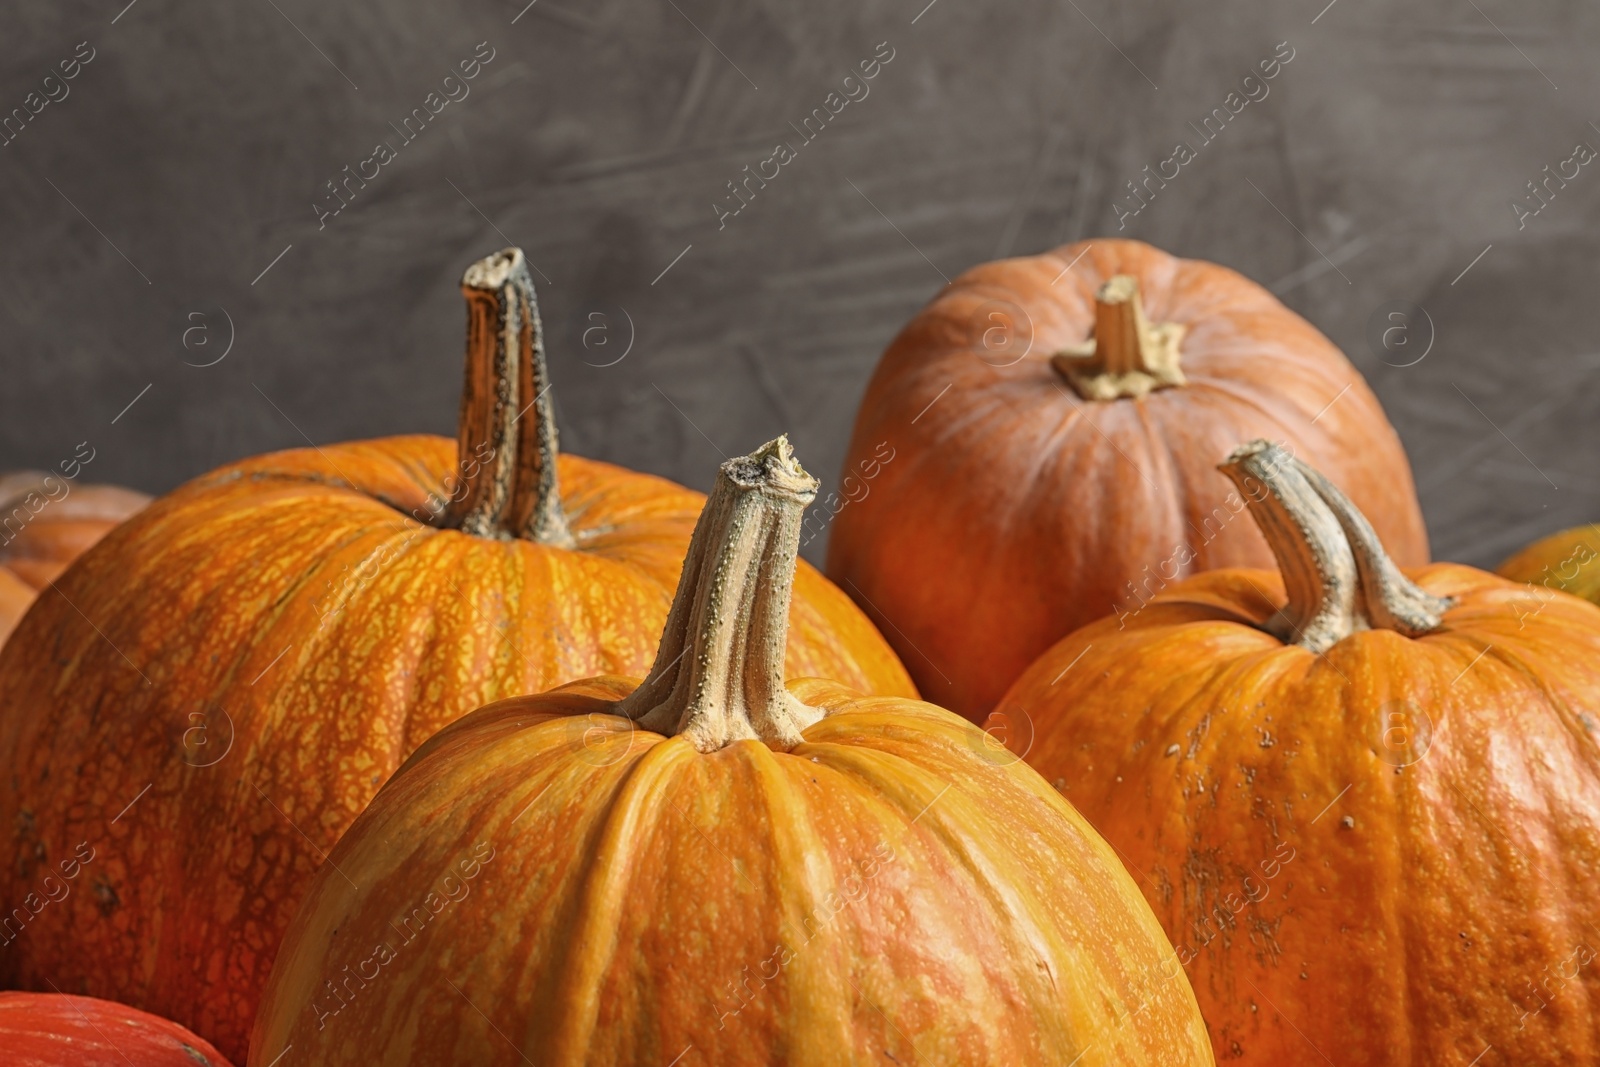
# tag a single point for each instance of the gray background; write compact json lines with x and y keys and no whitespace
{"x":191,"y":148}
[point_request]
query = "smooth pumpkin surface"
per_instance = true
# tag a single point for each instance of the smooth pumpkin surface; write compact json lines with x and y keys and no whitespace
{"x":713,"y":867}
{"x":1568,"y":561}
{"x":215,"y":691}
{"x":59,"y":1030}
{"x":46,"y":522}
{"x":1015,"y":510}
{"x":1385,"y":854}
{"x":16,"y":596}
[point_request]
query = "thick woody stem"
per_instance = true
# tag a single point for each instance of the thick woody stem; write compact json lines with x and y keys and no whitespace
{"x":506,"y":484}
{"x":1392,"y":601}
{"x":1125,"y":356}
{"x":1338,"y":578}
{"x":718,"y":675}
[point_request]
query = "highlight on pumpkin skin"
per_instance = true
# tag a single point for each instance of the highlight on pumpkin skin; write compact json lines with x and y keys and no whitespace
{"x":1338,"y":577}
{"x":718,"y":676}
{"x":512,"y":491}
{"x":714,"y":860}
{"x":1125,"y":355}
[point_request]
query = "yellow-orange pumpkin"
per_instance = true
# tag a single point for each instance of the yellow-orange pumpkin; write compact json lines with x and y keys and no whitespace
{"x":46,"y":522}
{"x":1009,"y":480}
{"x":709,"y":867}
{"x":217,"y":689}
{"x":1364,"y":804}
{"x":1568,"y":561}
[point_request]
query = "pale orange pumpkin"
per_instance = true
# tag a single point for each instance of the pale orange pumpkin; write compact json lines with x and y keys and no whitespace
{"x":710,"y":867}
{"x":1051,"y":425}
{"x":1364,"y":803}
{"x":46,"y":522}
{"x":214,"y":691}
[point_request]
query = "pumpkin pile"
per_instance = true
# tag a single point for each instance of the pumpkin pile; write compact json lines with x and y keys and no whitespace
{"x":279,"y":635}
{"x":416,"y":752}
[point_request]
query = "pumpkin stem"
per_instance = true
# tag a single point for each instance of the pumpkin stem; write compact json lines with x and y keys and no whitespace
{"x":507,"y":440}
{"x":1335,"y":571}
{"x":1125,"y":355}
{"x":718,"y":675}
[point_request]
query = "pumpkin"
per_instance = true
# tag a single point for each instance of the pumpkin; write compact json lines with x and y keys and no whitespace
{"x":46,"y":522}
{"x":1364,"y":802}
{"x":216,"y":689}
{"x":710,"y":866}
{"x":1568,"y":561}
{"x":60,"y":1030}
{"x":1009,"y":480}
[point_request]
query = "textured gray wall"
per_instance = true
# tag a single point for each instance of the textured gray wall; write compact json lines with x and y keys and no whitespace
{"x":189,"y":151}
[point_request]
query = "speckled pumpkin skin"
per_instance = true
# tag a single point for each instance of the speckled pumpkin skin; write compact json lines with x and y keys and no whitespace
{"x":895,"y":889}
{"x":1568,"y":561}
{"x":59,"y":1030}
{"x":1014,"y":512}
{"x":1344,"y":883}
{"x":213,"y":668}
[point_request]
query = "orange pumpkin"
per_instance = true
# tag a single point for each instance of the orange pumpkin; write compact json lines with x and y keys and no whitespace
{"x":1568,"y":561}
{"x":59,"y":1030}
{"x":711,"y":867}
{"x":1365,"y":804}
{"x":1009,"y":481}
{"x":46,"y":522}
{"x":217,"y":689}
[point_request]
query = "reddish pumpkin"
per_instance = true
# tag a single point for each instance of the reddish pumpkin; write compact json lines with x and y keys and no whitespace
{"x":224,"y":682}
{"x":711,"y":867}
{"x":1365,"y":804}
{"x":1038,"y":480}
{"x":46,"y":522}
{"x":59,"y":1030}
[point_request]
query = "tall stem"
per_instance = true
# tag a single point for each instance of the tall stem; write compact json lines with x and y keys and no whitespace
{"x":1338,"y":578}
{"x":718,"y":675}
{"x":507,"y":447}
{"x":1126,"y":356}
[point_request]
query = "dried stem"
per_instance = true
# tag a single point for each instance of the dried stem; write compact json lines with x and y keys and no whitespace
{"x":718,"y":675}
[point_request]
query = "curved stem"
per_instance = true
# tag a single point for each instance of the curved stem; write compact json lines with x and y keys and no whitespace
{"x":1125,"y":355}
{"x":507,"y":447}
{"x":1392,"y":601}
{"x":1338,"y":578}
{"x":718,"y":675}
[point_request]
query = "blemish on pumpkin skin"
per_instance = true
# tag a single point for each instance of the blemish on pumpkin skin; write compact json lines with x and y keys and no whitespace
{"x":195,"y":1054}
{"x":1163,"y":885}
{"x":105,"y":897}
{"x":1263,"y":934}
